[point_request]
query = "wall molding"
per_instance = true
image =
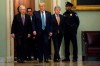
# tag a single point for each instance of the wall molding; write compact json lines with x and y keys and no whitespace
{"x":10,"y":59}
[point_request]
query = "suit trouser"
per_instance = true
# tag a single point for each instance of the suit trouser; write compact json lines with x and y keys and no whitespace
{"x":21,"y":48}
{"x":35,"y":49}
{"x":49,"y":50}
{"x":42,"y":46}
{"x":68,"y":36}
{"x":57,"y":39}
{"x":30,"y":46}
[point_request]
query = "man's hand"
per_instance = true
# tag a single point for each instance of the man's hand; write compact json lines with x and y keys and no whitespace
{"x":50,"y":34}
{"x":29,"y":35}
{"x":34,"y":33}
{"x":13,"y":35}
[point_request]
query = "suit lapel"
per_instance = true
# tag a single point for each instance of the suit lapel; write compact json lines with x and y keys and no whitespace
{"x":60,"y":19}
{"x":46,"y":16}
{"x":39,"y":14}
{"x":25,"y":20}
{"x":19,"y":17}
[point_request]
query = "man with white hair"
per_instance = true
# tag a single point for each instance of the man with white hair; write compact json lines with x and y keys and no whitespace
{"x":57,"y":29}
{"x":43,"y":31}
{"x":20,"y":31}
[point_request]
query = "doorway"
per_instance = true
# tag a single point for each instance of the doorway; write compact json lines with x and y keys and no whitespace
{"x":27,"y":3}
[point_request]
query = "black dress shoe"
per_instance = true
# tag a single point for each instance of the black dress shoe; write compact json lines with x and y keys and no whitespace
{"x":40,"y":61}
{"x":28,"y":59}
{"x":20,"y":61}
{"x":56,"y":60}
{"x":74,"y":60}
{"x":65,"y":60}
{"x":35,"y":59}
{"x":46,"y":61}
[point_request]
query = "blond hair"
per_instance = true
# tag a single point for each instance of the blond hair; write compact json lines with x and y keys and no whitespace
{"x":42,"y":3}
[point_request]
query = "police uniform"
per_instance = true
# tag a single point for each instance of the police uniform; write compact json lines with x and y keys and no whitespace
{"x":70,"y":32}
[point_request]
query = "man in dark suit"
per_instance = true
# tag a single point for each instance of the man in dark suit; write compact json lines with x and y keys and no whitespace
{"x":30,"y":12}
{"x":30,"y":45}
{"x":42,"y":32}
{"x":20,"y":31}
{"x":32,"y":53}
{"x":57,"y":24}
{"x":70,"y":31}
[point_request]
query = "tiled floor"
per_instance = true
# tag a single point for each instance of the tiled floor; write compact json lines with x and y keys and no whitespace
{"x":51,"y":63}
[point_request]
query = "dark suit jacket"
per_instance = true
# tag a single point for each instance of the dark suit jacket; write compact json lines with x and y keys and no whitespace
{"x":55,"y":26}
{"x":38,"y":22}
{"x":18,"y":28}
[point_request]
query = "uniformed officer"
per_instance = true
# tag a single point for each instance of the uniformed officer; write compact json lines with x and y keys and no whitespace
{"x":70,"y":31}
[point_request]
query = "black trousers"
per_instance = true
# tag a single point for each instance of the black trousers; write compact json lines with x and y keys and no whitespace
{"x":35,"y":49}
{"x":70,"y":36}
{"x":57,"y":39}
{"x":43,"y":45}
{"x":21,"y":44}
{"x":49,"y":50}
{"x":30,"y":48}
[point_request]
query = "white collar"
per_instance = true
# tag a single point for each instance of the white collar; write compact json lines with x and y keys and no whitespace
{"x":56,"y":15}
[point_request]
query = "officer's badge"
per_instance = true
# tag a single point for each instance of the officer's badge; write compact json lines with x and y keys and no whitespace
{"x":71,"y":14}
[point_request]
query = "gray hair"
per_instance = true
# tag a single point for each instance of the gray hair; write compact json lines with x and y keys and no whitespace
{"x":57,"y":7}
{"x":22,"y":7}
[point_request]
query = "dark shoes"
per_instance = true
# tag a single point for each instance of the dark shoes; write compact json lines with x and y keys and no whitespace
{"x":64,"y":60}
{"x":74,"y":60}
{"x":46,"y":61}
{"x":56,"y":60}
{"x":28,"y":59}
{"x":20,"y":61}
{"x":41,"y":61}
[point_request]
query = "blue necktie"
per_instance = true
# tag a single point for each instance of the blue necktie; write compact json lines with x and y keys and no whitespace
{"x":43,"y":23}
